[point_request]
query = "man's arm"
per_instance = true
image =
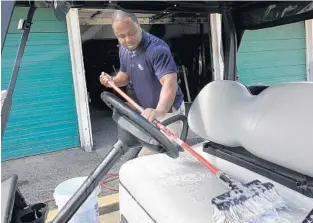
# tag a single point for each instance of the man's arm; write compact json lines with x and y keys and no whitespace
{"x":168,"y":92}
{"x":121,"y":79}
{"x":166,"y":71}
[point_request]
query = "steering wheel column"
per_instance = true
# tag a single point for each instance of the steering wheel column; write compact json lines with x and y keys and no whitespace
{"x":134,"y":138}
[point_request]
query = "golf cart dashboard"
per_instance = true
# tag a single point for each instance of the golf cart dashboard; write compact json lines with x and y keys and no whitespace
{"x":240,"y":156}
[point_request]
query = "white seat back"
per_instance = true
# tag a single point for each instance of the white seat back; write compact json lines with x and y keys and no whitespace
{"x":276,"y":125}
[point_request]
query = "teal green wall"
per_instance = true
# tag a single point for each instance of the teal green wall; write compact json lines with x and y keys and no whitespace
{"x":43,"y":115}
{"x":273,"y":55}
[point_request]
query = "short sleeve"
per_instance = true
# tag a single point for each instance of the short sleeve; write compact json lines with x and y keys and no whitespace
{"x":163,"y":61}
{"x":123,"y":66}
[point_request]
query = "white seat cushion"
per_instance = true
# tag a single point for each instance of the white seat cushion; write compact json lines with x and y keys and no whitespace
{"x":179,"y":190}
{"x":276,"y":125}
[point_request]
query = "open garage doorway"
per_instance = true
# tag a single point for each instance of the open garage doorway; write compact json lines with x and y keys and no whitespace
{"x":189,"y":41}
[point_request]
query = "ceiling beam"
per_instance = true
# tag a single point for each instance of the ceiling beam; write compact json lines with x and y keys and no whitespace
{"x":106,"y":21}
{"x":146,"y":20}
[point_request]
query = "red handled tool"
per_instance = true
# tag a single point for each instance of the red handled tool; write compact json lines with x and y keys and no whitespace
{"x":165,"y":130}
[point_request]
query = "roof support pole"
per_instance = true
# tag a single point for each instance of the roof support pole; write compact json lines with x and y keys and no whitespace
{"x":7,"y":8}
{"x":25,"y":25}
{"x":217,"y":47}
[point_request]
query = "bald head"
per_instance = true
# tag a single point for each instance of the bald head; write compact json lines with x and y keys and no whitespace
{"x":120,"y":15}
{"x":126,"y":29}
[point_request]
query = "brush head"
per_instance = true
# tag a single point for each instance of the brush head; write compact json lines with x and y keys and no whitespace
{"x":240,"y":193}
{"x":249,"y":203}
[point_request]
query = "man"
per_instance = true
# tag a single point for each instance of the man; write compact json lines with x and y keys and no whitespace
{"x":146,"y":61}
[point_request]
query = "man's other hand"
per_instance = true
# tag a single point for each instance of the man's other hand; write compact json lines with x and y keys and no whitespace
{"x":151,"y":114}
{"x":104,"y":78}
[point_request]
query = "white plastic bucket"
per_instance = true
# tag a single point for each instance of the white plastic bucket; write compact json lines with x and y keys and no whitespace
{"x":89,"y":211}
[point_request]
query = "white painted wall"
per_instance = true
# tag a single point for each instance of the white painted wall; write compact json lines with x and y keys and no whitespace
{"x":106,"y":32}
{"x":78,"y":71}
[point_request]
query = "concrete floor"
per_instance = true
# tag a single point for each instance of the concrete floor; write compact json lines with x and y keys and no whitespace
{"x":39,"y":175}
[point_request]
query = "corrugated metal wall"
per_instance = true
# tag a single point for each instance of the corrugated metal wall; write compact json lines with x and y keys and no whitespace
{"x":273,"y":55}
{"x":43,"y":115}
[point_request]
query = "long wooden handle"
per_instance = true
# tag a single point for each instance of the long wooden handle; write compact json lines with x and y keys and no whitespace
{"x":167,"y":132}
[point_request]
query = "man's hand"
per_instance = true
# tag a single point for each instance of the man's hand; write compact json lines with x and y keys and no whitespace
{"x":151,"y":114}
{"x":104,"y":78}
{"x":120,"y":79}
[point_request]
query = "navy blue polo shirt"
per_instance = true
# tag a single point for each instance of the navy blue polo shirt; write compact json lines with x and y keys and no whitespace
{"x":146,"y":66}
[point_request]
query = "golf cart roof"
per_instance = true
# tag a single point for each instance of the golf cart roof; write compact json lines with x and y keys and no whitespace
{"x":246,"y":14}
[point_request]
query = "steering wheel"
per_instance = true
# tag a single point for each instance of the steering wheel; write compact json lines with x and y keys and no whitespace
{"x":141,"y":128}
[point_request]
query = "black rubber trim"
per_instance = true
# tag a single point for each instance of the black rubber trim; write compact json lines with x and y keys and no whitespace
{"x":176,"y":118}
{"x":137,"y":201}
{"x":131,"y":133}
{"x":240,"y":156}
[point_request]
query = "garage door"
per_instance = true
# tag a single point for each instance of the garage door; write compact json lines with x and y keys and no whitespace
{"x":43,"y":115}
{"x":273,"y":55}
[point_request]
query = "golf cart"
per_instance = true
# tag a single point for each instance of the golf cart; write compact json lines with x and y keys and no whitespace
{"x":265,"y":135}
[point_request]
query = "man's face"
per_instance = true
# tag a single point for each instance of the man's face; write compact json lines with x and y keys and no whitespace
{"x":128,"y":33}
